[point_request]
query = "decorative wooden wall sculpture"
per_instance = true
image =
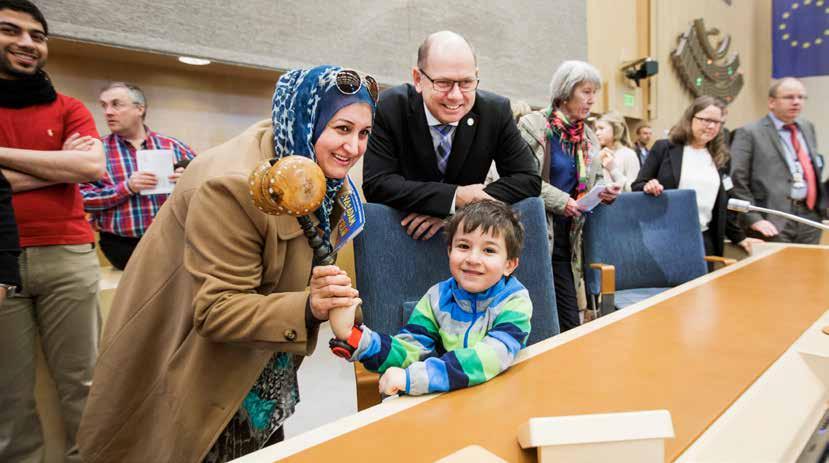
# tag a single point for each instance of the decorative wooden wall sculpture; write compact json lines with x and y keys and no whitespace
{"x":704,"y":68}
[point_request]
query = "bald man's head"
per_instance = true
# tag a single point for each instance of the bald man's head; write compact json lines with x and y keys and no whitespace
{"x":446,"y":76}
{"x":786,"y":98}
{"x":444,"y":41}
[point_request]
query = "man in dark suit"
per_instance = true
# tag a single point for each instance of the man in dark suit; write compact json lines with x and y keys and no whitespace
{"x":775,"y":164}
{"x":433,"y":142}
{"x":644,"y":133}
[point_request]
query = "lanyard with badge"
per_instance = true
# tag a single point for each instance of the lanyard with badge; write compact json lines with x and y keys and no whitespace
{"x":798,"y":189}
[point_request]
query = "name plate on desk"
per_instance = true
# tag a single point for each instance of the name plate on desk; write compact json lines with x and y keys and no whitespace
{"x":629,"y":436}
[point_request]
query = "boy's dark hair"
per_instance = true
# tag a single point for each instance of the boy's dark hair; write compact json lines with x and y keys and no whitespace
{"x":25,"y":6}
{"x":492,"y":217}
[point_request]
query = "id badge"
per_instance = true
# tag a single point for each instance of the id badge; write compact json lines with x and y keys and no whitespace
{"x":799,"y":188}
{"x":727,"y":184}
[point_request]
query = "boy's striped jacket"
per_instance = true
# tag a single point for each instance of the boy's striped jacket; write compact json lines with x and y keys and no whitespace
{"x":453,"y":338}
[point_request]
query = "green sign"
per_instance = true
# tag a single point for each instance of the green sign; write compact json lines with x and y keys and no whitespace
{"x":629,"y":100}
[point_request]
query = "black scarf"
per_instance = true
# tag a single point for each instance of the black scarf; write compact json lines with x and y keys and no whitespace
{"x":27,"y":91}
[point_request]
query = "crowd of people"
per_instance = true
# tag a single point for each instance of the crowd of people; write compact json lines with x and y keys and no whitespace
{"x":212,"y":318}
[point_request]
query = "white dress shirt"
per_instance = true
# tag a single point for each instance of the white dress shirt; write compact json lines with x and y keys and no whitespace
{"x":699,"y":173}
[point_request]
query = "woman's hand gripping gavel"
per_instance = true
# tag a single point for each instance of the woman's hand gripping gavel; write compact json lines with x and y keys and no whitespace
{"x":295,"y":186}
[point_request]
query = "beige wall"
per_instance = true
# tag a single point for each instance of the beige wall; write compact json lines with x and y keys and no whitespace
{"x":815,"y":111}
{"x":518,"y":42}
{"x":198,"y":105}
{"x":614,"y":38}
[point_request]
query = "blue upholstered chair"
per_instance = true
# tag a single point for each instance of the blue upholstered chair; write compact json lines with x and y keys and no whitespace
{"x":640,"y":246}
{"x":394,"y":271}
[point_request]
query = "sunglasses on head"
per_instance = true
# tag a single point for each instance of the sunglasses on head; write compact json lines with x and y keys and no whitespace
{"x":349,"y":82}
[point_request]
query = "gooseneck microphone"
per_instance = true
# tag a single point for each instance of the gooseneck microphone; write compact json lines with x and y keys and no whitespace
{"x":739,"y":205}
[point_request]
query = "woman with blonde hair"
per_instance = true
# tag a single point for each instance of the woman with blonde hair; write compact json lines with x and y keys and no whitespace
{"x":618,"y":159}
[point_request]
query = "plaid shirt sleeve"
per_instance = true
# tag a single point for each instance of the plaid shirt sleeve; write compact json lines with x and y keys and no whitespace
{"x":104,"y":194}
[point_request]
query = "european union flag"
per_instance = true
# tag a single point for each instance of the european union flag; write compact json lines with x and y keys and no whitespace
{"x":800,"y":38}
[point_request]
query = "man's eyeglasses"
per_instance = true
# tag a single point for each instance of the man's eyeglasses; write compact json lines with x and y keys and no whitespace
{"x":791,"y":98}
{"x":709,"y":121}
{"x":349,"y":82}
{"x":446,"y":85}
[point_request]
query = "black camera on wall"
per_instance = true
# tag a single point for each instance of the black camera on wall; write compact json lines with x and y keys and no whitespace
{"x":640,"y":69}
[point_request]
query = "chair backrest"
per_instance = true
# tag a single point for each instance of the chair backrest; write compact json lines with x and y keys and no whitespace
{"x":394,"y":271}
{"x":654,"y":242}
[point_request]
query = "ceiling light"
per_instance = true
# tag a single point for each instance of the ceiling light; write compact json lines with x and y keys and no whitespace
{"x":193,"y":61}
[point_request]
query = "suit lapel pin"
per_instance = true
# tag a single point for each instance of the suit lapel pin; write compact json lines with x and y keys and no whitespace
{"x":470,"y":122}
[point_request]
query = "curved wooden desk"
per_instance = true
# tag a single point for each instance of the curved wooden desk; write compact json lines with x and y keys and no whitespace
{"x":693,"y":350}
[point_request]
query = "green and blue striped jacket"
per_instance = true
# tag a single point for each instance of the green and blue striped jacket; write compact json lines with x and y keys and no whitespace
{"x":453,"y":338}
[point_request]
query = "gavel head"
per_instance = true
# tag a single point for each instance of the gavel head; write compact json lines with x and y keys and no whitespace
{"x":294,"y":185}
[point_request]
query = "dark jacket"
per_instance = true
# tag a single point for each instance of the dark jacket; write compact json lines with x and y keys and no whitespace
{"x":664,"y":163}
{"x":9,"y":240}
{"x":401,"y":169}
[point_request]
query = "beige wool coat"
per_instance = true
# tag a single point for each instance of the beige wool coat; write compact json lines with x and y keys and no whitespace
{"x":213,"y":290}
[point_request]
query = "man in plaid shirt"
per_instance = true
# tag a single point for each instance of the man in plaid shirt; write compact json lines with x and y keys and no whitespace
{"x":119,"y":210}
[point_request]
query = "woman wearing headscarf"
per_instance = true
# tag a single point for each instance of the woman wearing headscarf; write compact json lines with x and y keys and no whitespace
{"x":567,"y":152}
{"x":618,"y":159}
{"x":199,"y":355}
{"x":695,"y":157}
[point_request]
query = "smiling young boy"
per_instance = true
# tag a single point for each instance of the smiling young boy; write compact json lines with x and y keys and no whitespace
{"x":464,"y":330}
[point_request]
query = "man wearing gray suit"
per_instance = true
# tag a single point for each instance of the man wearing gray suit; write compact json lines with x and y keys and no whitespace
{"x":775,"y":164}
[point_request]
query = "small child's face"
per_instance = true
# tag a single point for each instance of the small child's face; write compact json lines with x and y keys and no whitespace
{"x":478,"y":260}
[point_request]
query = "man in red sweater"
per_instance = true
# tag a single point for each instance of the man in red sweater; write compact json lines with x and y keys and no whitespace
{"x":48,"y":144}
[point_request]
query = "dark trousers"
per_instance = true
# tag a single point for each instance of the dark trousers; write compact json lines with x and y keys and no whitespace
{"x":708,"y":242}
{"x":796,"y":232}
{"x":117,"y":249}
{"x":565,"y":285}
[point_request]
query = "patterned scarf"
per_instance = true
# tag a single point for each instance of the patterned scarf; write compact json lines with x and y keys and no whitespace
{"x":294,"y":115}
{"x":574,"y":141}
{"x":300,"y":98}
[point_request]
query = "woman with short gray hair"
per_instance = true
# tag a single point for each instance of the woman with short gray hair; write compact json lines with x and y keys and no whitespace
{"x":566,"y":148}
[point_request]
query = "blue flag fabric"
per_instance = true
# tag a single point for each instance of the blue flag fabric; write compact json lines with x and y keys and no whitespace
{"x":800,"y":38}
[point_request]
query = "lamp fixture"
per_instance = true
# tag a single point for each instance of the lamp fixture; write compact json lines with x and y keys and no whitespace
{"x":193,"y":61}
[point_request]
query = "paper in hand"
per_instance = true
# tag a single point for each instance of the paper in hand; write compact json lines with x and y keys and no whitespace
{"x":160,"y":163}
{"x":591,"y":199}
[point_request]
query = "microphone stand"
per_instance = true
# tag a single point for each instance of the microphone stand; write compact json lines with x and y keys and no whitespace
{"x":739,"y":205}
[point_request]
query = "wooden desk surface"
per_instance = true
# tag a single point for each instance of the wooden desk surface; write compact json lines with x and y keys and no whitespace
{"x":693,"y":354}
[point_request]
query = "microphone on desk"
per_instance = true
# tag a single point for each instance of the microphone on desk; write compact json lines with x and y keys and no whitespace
{"x":739,"y":205}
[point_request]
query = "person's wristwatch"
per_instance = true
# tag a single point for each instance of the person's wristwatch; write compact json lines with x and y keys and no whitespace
{"x":346,"y":348}
{"x":10,"y":289}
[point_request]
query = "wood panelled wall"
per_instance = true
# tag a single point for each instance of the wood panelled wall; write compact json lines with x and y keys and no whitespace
{"x":616,"y":34}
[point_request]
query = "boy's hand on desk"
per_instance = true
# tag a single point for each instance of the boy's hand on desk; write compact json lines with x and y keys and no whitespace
{"x":393,"y":381}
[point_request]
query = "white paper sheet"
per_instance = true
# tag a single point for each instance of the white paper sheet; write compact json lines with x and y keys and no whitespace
{"x":160,"y":163}
{"x":591,"y":199}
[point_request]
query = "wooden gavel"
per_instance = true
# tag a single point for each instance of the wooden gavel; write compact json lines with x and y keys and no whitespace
{"x":295,"y":186}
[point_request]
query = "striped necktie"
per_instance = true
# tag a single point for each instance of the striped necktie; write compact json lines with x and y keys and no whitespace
{"x":445,"y":145}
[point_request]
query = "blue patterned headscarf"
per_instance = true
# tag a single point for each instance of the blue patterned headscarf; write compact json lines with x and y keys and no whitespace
{"x":303,"y":103}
